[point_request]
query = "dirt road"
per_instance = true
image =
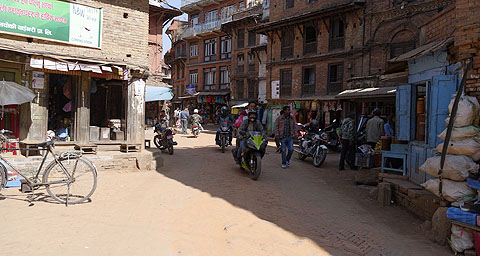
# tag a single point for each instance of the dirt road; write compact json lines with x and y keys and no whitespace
{"x":200,"y":203}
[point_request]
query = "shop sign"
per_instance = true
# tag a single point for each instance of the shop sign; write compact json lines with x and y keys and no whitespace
{"x":276,"y":89}
{"x":38,"y":80}
{"x":190,"y":89}
{"x":52,"y":20}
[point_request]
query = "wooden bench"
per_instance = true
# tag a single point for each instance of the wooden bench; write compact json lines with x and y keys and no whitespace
{"x":87,"y":148}
{"x":29,"y":147}
{"x":147,"y":143}
{"x":126,"y":148}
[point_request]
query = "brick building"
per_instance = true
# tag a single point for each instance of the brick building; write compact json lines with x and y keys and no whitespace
{"x":89,"y":75}
{"x":322,"y":55}
{"x":201,"y":54}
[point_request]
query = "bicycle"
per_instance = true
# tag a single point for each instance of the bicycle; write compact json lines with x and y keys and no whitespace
{"x":69,"y":178}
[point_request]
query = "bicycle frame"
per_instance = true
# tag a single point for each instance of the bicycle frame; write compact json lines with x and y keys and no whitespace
{"x":30,"y":181}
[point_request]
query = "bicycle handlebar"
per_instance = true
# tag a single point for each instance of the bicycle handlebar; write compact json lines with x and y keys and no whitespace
{"x":3,"y":131}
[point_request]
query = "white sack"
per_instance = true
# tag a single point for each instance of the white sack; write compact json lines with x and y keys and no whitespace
{"x":452,"y":190}
{"x":461,"y":239}
{"x":456,"y":167}
{"x":467,"y":112}
{"x":461,"y":133}
{"x":469,"y":147}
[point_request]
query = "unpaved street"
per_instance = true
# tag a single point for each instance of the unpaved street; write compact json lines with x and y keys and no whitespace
{"x":200,"y":203}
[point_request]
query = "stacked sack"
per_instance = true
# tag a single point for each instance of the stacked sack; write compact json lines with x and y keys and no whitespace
{"x":460,"y":172}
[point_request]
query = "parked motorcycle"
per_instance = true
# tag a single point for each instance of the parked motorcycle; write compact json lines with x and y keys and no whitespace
{"x":312,"y":144}
{"x":224,"y":140}
{"x":164,"y":137}
{"x":253,"y":152}
{"x":330,"y":135}
{"x":195,"y":129}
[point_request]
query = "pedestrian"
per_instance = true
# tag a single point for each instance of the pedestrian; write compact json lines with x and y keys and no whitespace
{"x":389,"y":126}
{"x":347,"y":133}
{"x":184,"y":116}
{"x":374,"y":128}
{"x":176,"y":114}
{"x":285,"y":129}
{"x":277,"y":138}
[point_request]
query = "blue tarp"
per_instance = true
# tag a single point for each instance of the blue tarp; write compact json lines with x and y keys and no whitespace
{"x":156,"y":93}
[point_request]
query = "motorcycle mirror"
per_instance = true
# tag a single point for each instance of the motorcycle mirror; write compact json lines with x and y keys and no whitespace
{"x":334,"y":120}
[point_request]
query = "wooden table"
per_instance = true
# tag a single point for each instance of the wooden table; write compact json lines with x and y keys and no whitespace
{"x":27,"y":146}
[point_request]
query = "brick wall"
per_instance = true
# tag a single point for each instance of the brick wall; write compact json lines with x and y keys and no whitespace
{"x":201,"y":12}
{"x":278,"y":11}
{"x":467,"y":40}
{"x":121,"y":36}
{"x":440,"y":27}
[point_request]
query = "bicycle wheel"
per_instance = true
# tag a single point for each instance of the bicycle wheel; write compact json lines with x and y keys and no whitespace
{"x":3,"y":176}
{"x":77,"y":186}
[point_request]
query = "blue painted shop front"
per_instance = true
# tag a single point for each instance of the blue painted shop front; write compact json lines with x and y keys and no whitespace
{"x":422,"y":107}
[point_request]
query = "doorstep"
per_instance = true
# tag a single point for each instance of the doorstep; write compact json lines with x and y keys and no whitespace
{"x":414,"y":198}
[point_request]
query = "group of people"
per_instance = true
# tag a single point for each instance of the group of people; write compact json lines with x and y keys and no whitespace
{"x":375,"y":128}
{"x":183,"y":118}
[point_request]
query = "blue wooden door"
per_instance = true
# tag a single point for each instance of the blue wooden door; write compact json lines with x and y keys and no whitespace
{"x":417,"y":156}
{"x":405,"y":129}
{"x":440,"y":93}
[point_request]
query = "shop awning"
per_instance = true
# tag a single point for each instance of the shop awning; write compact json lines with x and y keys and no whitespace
{"x":156,"y":93}
{"x":213,"y":93}
{"x":243,"y":105}
{"x":373,"y":92}
{"x":422,"y":50}
{"x":315,"y":98}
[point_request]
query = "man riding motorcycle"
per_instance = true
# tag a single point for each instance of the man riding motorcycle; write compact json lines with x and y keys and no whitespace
{"x":226,"y":118}
{"x":249,"y":125}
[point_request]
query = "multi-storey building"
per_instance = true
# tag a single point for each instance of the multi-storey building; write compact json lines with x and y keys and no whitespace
{"x":323,"y":54}
{"x":201,"y":54}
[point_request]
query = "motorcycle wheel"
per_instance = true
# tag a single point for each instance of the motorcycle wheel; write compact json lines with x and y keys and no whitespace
{"x":301,"y":156}
{"x":223,"y":145}
{"x":156,"y":141}
{"x":255,"y":167}
{"x":170,"y":149}
{"x":319,"y":157}
{"x":194,"y":134}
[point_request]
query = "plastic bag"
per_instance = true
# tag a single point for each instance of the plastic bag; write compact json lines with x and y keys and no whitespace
{"x":461,"y":133}
{"x":456,"y":168}
{"x":467,"y":112}
{"x":461,"y":239}
{"x":469,"y":147}
{"x":452,"y":190}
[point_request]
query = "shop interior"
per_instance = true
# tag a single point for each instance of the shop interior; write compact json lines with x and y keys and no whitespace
{"x":61,"y":106}
{"x":107,"y":110}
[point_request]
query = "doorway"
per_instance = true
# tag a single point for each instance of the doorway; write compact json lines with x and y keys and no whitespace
{"x":9,"y":115}
{"x":62,"y":106}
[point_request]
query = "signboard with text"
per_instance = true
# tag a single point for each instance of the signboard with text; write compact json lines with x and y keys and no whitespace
{"x":52,"y":20}
{"x":190,"y":89}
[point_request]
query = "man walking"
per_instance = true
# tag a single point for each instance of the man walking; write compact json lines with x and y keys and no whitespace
{"x":184,"y":116}
{"x":347,"y":131}
{"x":176,"y":114}
{"x":285,"y":129}
{"x":375,"y":128}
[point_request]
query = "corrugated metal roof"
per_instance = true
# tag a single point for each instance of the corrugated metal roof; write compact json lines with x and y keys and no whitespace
{"x":422,"y":50}
{"x":368,"y":92}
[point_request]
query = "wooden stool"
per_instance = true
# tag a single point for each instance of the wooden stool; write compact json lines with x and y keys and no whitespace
{"x":87,"y":148}
{"x":126,"y":148}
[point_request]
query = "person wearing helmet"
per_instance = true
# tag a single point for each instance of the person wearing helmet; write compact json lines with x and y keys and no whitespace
{"x":196,"y":119}
{"x":374,"y":128}
{"x":224,"y":119}
{"x":249,"y":125}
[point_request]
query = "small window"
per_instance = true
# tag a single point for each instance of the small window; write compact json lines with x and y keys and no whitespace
{"x":289,"y":4}
{"x":310,"y":42}
{"x":209,"y":79}
{"x":194,"y":77}
{"x":252,"y":38}
{"x":225,"y":47}
{"x":337,"y":35}
{"x":224,"y":77}
{"x":178,"y":72}
{"x":194,"y":20}
{"x":194,"y":50}
{"x":335,"y":78}
{"x":240,"y":38}
{"x":308,"y":81}
{"x":240,"y":86}
{"x":184,"y":50}
{"x":241,"y":5}
{"x":228,"y":11}
{"x":251,"y":89}
{"x":210,"y":49}
{"x":285,"y":83}
{"x":240,"y":64}
{"x":287,"y":44}
{"x":251,"y":62}
{"x":311,"y":1}
{"x":211,"y":16}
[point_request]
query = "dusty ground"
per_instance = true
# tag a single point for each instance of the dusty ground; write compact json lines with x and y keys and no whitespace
{"x":200,"y":203}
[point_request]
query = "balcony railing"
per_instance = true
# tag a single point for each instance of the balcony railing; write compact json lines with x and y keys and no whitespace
{"x":203,"y":28}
